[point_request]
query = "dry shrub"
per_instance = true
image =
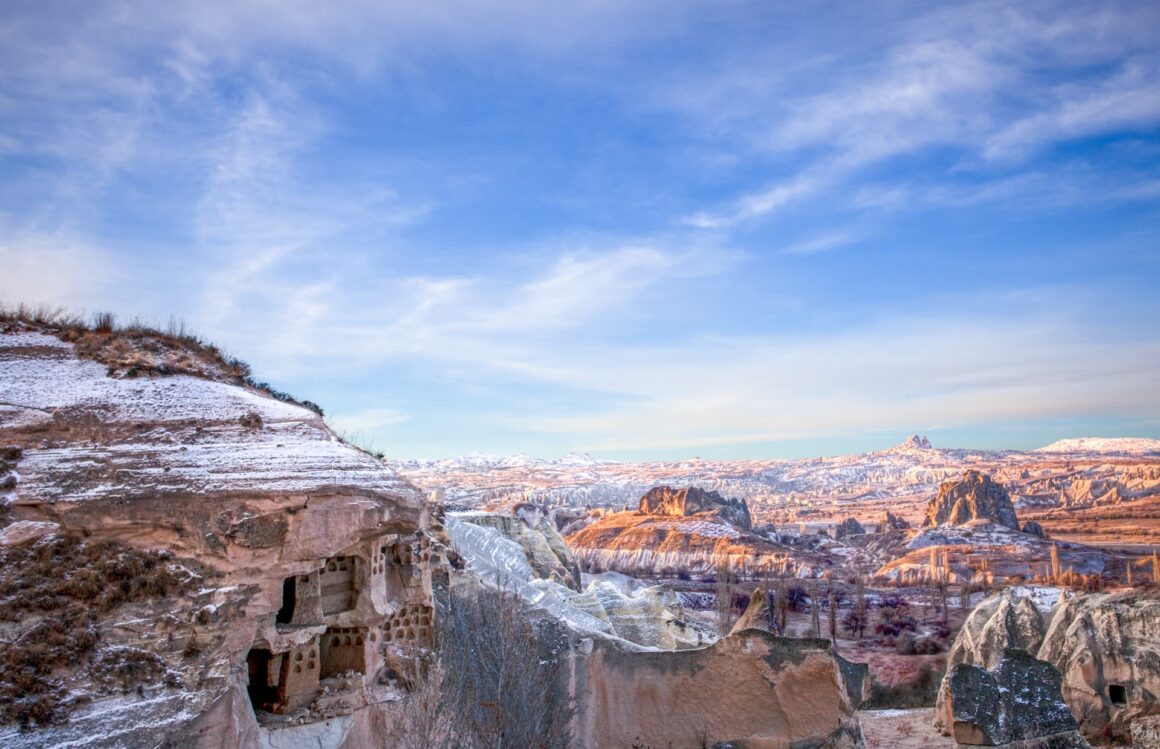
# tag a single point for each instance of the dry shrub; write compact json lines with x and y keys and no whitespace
{"x":136,"y":349}
{"x":58,"y":587}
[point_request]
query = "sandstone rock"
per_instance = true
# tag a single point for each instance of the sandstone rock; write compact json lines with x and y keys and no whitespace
{"x":1107,"y":646}
{"x":751,"y":689}
{"x":664,"y":500}
{"x":317,"y":560}
{"x":1017,"y":703}
{"x":972,"y":497}
{"x":849,"y":527}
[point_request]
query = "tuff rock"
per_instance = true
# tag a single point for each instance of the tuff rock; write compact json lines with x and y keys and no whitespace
{"x":664,"y":500}
{"x":306,"y":565}
{"x":972,"y":497}
{"x":1015,"y":704}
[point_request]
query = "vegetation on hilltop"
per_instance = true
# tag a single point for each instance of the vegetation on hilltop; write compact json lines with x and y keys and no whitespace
{"x":137,"y":348}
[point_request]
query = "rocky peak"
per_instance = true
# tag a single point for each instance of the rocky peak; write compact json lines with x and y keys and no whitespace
{"x":915,"y":442}
{"x":974,"y":496}
{"x":691,"y":500}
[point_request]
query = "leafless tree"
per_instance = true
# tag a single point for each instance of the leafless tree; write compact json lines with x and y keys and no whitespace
{"x":498,"y":680}
{"x":725,"y":590}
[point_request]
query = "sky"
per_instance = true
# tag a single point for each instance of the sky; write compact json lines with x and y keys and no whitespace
{"x":642,"y":230}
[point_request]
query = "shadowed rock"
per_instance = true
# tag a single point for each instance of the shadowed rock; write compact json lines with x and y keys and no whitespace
{"x":1016,"y":704}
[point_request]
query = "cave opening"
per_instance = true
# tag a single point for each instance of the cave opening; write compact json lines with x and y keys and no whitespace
{"x":263,"y":695}
{"x":289,"y":599}
{"x":1118,"y":694}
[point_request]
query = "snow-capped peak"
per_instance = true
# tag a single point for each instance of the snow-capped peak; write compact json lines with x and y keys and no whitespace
{"x":1125,"y":445}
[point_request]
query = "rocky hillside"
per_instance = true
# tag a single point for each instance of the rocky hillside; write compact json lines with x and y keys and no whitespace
{"x":189,"y":560}
{"x":687,"y":531}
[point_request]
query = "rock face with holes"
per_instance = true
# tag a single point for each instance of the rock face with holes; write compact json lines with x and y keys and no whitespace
{"x":1104,"y":646}
{"x":318,"y":561}
{"x":1107,"y":646}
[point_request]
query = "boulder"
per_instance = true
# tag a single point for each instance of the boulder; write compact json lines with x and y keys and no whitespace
{"x":849,"y":527}
{"x":1016,"y":704}
{"x":664,"y":500}
{"x":972,"y":497}
{"x":1107,"y":646}
{"x":999,"y":623}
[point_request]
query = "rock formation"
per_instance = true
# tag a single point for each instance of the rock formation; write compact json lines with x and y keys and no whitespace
{"x":1035,"y":529}
{"x":1107,"y":646}
{"x":296,"y":577}
{"x":848,"y":527}
{"x":974,"y":496}
{"x":1104,"y":645}
{"x":891,"y":522}
{"x":756,"y":614}
{"x":664,"y":500}
{"x":1000,"y":623}
{"x":1016,"y":704}
{"x":751,"y":689}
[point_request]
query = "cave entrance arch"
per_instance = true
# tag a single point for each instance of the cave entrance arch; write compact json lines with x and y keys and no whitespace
{"x":289,"y":600}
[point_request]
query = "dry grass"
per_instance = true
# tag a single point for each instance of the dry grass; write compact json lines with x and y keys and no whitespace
{"x":57,"y":588}
{"x":136,"y":348}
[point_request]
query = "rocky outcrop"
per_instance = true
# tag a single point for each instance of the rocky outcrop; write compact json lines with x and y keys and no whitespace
{"x":756,"y":614}
{"x":664,"y":500}
{"x":751,"y":689}
{"x":891,"y":522}
{"x":1107,"y":647}
{"x":974,"y":496}
{"x":848,"y":527}
{"x":1033,"y":528}
{"x":1016,"y":704}
{"x":1000,"y":623}
{"x":296,"y":579}
{"x":1104,"y":645}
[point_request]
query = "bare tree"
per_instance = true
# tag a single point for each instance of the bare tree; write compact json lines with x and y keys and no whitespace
{"x":726,"y":589}
{"x":499,"y":679}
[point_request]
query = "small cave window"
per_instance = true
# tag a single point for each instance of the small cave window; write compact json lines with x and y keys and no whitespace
{"x":289,"y":598}
{"x":1118,"y":694}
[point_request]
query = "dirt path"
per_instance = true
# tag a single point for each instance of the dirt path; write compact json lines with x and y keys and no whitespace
{"x":902,"y":729}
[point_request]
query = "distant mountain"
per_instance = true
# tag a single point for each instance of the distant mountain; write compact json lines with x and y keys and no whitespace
{"x":1122,"y":445}
{"x":1068,"y":473}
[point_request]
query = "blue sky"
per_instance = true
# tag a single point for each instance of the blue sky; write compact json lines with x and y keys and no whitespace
{"x":640,"y":230}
